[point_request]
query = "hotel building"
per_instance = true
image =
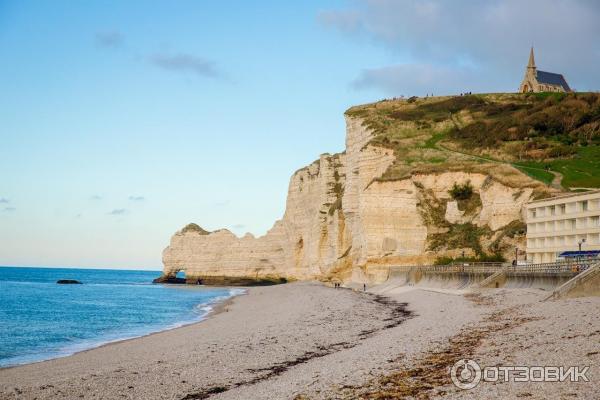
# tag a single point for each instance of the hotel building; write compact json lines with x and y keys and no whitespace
{"x":562,"y":223}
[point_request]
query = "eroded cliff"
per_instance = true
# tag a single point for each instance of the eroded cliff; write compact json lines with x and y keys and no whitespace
{"x":345,"y":218}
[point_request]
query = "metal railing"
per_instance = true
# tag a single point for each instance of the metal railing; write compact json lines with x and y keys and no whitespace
{"x":559,"y":267}
{"x":591,"y":272}
{"x":470,"y":267}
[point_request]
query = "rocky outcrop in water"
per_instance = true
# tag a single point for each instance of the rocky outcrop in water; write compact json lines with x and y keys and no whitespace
{"x":68,"y":282}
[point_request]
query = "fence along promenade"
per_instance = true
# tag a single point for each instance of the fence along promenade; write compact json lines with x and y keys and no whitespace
{"x":548,"y":276}
{"x":559,"y":267}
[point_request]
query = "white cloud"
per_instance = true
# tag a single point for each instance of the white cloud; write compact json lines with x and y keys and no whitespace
{"x":421,"y":79}
{"x":489,"y":38}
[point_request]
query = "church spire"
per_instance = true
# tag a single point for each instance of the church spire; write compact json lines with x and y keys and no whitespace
{"x":531,"y":63}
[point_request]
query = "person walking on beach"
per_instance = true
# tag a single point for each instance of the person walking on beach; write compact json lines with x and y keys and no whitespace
{"x":364,"y":287}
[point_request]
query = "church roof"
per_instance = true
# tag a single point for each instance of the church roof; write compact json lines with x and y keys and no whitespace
{"x":550,"y":78}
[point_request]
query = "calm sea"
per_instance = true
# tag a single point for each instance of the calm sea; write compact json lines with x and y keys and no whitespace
{"x":40,"y":319}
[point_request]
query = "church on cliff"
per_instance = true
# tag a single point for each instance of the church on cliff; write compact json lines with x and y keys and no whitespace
{"x":542,"y":81}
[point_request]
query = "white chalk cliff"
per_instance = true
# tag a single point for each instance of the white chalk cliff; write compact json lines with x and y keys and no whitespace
{"x":342,"y":221}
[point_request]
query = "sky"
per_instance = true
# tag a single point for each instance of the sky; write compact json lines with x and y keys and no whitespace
{"x":122,"y":121}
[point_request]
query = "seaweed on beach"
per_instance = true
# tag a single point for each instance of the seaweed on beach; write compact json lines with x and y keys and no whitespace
{"x":429,"y":376}
{"x":398,"y":313}
{"x":205,"y":394}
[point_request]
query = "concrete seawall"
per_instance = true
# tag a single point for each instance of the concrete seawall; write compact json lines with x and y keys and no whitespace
{"x":484,"y":275}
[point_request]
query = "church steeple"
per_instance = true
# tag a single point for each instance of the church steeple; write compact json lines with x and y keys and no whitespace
{"x":531,"y":63}
{"x":542,"y":81}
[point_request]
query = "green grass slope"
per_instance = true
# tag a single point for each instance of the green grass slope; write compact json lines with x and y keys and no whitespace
{"x":552,"y":137}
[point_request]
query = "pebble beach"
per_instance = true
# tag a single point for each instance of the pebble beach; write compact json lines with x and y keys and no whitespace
{"x":311,"y":341}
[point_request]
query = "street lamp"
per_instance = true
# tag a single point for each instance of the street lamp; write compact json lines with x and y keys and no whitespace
{"x":582,"y":241}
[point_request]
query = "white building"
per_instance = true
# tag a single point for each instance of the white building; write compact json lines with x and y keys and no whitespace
{"x":562,"y":223}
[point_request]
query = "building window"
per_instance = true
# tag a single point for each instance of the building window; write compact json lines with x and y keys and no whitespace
{"x":584,"y":205}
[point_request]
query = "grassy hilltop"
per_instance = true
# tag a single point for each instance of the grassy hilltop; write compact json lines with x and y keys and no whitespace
{"x":552,"y":137}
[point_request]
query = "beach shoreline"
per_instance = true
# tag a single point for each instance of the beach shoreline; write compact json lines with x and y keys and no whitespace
{"x":220,"y":305}
{"x":308,"y":341}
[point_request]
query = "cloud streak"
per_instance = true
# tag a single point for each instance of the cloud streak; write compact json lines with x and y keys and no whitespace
{"x":4,"y":200}
{"x":110,"y":39}
{"x":10,"y":209}
{"x":118,"y":211}
{"x":186,"y":63}
{"x":137,"y":198}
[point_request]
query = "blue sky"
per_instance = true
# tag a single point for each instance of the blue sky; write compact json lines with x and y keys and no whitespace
{"x":122,"y":121}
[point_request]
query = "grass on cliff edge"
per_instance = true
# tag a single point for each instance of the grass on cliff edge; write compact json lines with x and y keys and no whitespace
{"x":536,"y":133}
{"x":582,"y":170}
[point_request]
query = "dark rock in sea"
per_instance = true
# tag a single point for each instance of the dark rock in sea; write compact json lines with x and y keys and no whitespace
{"x":222,"y":280}
{"x":169,"y":279}
{"x":68,"y":282}
{"x":237,"y":281}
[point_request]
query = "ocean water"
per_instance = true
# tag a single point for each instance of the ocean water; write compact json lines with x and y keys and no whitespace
{"x":40,"y":319}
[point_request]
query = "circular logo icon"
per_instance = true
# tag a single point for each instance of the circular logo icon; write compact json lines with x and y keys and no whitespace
{"x":465,"y":374}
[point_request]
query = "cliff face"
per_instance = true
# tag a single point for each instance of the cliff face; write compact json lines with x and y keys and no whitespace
{"x":342,"y":220}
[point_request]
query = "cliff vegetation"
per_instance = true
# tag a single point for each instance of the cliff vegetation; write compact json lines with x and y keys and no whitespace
{"x":552,"y":137}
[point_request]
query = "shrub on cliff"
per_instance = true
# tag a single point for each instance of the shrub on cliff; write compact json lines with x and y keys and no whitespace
{"x":194,"y":228}
{"x":461,"y":192}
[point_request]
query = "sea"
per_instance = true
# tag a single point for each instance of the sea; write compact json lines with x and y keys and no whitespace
{"x":40,"y":319}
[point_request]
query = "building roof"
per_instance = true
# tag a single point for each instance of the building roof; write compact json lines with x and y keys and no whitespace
{"x":550,"y":78}
{"x":564,"y":196}
{"x":583,"y":253}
